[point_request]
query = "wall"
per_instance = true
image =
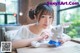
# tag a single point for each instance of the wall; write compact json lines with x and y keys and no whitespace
{"x":22,"y":7}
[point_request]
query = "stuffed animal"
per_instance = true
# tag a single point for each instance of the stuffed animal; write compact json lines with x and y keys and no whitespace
{"x":57,"y":34}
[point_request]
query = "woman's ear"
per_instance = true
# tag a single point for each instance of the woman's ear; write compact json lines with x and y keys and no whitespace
{"x":35,"y":17}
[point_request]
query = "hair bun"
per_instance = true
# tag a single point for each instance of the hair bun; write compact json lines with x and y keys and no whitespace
{"x":31,"y":14}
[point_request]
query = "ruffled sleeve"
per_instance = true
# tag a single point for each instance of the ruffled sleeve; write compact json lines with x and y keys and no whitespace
{"x":22,"y":33}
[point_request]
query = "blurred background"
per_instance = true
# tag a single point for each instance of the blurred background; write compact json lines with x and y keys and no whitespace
{"x":15,"y":12}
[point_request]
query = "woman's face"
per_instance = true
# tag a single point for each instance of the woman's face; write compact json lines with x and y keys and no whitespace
{"x":45,"y":20}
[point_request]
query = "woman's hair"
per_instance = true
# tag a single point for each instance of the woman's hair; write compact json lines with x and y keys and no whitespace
{"x":41,"y":8}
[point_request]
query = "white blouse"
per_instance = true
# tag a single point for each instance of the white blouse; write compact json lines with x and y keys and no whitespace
{"x":25,"y":33}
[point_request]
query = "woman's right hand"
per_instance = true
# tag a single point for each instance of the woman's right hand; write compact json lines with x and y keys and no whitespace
{"x":40,"y":38}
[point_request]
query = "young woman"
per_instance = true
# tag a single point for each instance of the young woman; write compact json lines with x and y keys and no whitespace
{"x":32,"y":32}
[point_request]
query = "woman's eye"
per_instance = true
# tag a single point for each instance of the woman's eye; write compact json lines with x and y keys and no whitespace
{"x":42,"y":16}
{"x":50,"y":17}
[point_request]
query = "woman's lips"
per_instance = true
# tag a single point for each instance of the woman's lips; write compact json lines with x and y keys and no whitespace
{"x":45,"y":24}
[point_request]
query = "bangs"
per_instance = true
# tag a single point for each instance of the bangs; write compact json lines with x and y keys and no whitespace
{"x":46,"y":12}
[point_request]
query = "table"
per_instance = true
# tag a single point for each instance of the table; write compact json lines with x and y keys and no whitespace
{"x":68,"y":47}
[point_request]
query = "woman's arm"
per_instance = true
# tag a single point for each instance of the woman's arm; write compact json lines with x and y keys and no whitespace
{"x":24,"y":42}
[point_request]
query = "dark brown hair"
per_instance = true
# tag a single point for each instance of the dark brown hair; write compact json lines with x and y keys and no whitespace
{"x":42,"y":7}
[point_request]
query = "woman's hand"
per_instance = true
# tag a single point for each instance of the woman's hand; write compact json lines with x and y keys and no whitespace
{"x":39,"y":38}
{"x":63,"y":40}
{"x":45,"y":35}
{"x":42,"y":37}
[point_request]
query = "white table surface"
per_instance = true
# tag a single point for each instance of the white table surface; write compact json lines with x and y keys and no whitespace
{"x":68,"y":47}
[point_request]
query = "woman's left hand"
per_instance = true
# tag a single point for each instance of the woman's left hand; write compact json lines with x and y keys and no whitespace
{"x":63,"y":40}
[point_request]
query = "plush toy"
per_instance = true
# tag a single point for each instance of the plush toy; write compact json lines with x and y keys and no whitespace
{"x":56,"y":33}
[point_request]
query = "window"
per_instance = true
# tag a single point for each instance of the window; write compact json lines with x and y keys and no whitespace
{"x":71,"y":13}
{"x":9,"y":15}
{"x":1,"y":19}
{"x":11,"y":19}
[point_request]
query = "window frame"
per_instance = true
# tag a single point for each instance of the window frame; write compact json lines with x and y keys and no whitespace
{"x":58,"y":15}
{"x":6,"y":17}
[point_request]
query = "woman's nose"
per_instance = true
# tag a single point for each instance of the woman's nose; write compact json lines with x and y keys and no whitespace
{"x":47,"y":20}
